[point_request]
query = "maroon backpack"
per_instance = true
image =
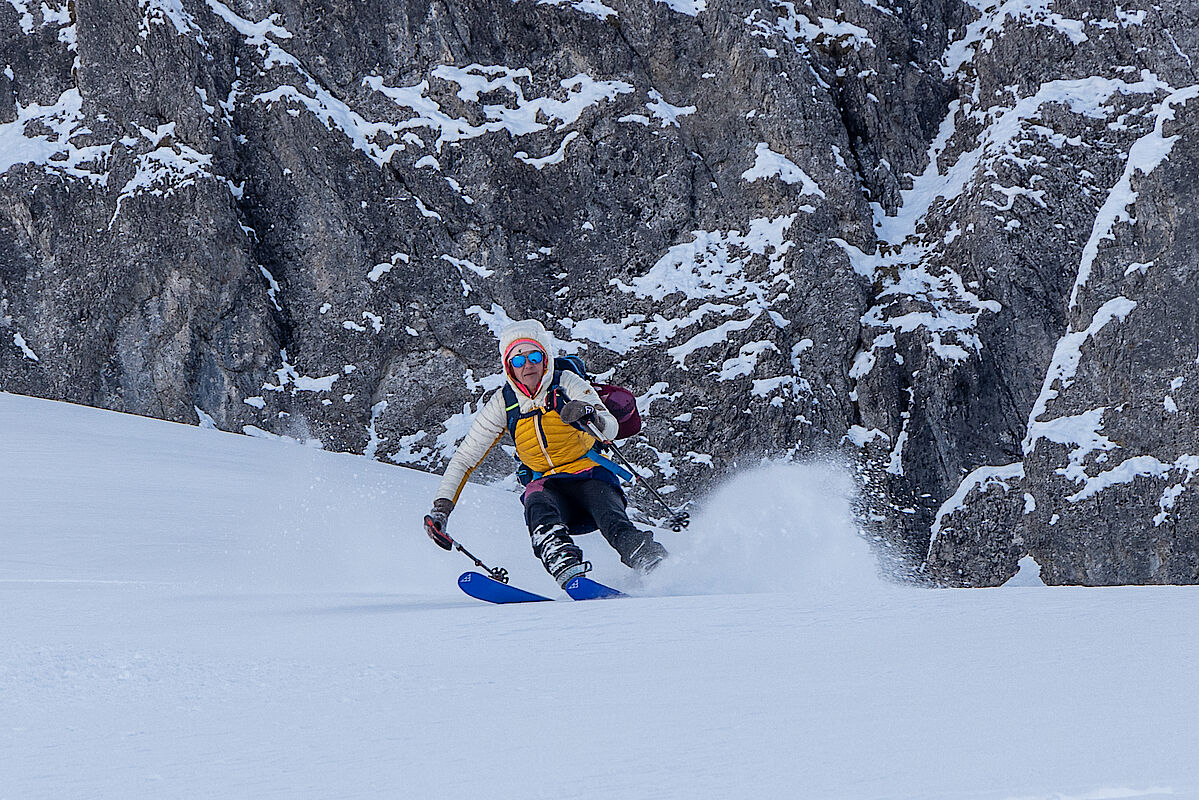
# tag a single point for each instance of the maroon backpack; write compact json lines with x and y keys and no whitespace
{"x":623,"y":405}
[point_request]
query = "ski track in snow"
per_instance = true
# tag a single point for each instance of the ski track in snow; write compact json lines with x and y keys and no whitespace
{"x":190,"y":613}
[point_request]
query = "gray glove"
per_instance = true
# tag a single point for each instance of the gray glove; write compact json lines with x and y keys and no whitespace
{"x":435,"y":523}
{"x":579,"y":415}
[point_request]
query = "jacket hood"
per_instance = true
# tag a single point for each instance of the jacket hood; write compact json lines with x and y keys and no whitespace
{"x":529,"y":329}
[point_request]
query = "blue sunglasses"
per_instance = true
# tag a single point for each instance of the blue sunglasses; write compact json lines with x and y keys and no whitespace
{"x":536,"y":357}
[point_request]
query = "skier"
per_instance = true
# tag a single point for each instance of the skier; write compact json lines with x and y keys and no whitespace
{"x":570,"y":492}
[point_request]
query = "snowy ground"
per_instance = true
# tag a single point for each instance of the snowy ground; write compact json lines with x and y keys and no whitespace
{"x":191,"y":614}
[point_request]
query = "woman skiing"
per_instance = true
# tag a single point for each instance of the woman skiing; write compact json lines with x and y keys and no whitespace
{"x":570,"y":493}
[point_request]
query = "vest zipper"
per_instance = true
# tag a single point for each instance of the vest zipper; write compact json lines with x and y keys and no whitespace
{"x":542,"y":442}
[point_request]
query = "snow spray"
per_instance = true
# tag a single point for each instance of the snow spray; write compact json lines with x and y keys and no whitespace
{"x":780,"y":527}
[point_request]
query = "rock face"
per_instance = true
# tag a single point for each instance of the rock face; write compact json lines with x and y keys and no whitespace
{"x":946,"y":241}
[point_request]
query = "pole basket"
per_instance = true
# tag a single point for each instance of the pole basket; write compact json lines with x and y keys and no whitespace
{"x":679,"y":520}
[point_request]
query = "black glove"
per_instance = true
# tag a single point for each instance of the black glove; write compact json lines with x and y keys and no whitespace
{"x":435,"y":523}
{"x":579,"y":414}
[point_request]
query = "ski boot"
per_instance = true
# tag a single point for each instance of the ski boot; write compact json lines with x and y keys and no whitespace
{"x":561,"y":556}
{"x":648,"y":556}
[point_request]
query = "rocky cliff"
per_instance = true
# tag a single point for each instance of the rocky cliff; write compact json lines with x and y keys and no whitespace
{"x":948,"y":241}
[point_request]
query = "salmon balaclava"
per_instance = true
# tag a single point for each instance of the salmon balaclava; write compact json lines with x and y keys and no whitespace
{"x":529,"y":331}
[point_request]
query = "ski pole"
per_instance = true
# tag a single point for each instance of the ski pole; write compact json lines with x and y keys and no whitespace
{"x":499,"y":573}
{"x":678,"y":519}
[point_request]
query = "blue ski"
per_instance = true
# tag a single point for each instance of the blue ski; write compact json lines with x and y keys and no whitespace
{"x":482,"y":587}
{"x":583,"y":588}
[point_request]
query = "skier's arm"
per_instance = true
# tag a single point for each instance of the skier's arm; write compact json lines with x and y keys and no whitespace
{"x":485,"y":432}
{"x":578,"y":388}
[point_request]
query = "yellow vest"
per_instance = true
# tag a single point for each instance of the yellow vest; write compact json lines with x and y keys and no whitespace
{"x":546,"y":444}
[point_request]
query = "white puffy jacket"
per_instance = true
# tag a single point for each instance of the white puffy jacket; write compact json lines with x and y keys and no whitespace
{"x":491,"y":423}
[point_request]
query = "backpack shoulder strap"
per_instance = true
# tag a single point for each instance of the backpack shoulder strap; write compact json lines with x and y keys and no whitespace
{"x":557,"y":396}
{"x":511,"y":409}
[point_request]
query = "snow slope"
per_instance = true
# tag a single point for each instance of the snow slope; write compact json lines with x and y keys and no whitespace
{"x":187,"y":613}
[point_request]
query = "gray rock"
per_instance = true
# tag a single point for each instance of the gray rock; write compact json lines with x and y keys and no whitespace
{"x":878,"y":231}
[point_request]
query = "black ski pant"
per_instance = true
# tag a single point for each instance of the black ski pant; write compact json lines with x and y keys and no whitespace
{"x":571,"y":501}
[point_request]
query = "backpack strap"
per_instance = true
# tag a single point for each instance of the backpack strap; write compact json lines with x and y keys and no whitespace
{"x":595,"y":455}
{"x":511,"y":409}
{"x":554,"y":399}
